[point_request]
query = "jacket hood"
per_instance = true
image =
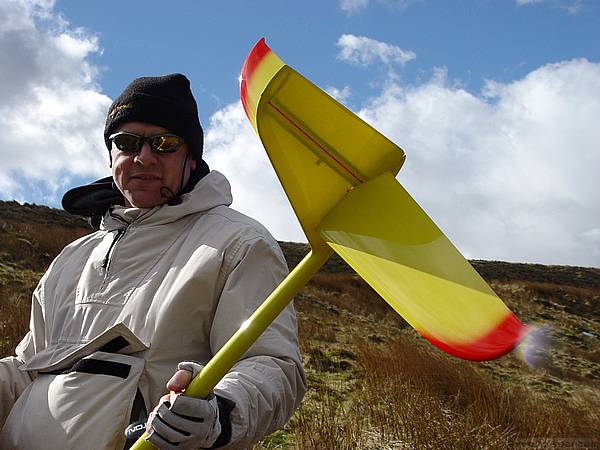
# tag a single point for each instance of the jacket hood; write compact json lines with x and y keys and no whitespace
{"x":211,"y":191}
{"x":92,"y":200}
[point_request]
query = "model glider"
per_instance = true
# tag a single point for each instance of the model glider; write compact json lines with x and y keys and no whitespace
{"x":339,"y":176}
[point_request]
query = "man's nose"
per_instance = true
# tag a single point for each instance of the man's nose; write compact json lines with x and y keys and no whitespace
{"x":146,"y":156}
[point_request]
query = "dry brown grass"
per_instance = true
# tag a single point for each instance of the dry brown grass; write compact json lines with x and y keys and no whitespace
{"x":373,"y":383}
{"x":26,"y":249}
{"x":350,"y":292}
{"x":33,"y":245}
{"x":458,"y":402}
{"x":411,"y":398}
{"x":16,"y":287}
{"x":14,"y":319}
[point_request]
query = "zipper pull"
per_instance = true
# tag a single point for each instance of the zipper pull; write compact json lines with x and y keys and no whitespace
{"x":106,"y":260}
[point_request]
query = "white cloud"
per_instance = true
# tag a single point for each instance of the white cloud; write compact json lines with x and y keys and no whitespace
{"x":353,"y":6}
{"x":510,"y":174}
{"x":571,"y":6}
{"x":364,"y":51}
{"x":341,"y":95}
{"x":232,"y":148}
{"x":52,"y":112}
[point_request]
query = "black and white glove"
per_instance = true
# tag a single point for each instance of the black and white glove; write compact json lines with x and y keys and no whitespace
{"x":183,"y":422}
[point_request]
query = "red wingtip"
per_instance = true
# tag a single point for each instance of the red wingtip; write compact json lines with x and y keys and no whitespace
{"x":495,"y":344}
{"x":252,"y":61}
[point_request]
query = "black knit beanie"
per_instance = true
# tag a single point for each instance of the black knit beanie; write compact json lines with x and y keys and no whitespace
{"x":166,"y":101}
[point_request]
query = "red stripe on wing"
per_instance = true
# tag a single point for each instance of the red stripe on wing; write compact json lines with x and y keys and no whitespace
{"x":496,"y":343}
{"x":254,"y":58}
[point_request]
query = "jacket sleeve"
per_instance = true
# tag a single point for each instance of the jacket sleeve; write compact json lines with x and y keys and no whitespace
{"x":268,"y":383}
{"x":12,"y":380}
{"x":12,"y":383}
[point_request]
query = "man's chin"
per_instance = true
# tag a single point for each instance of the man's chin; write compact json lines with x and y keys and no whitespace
{"x":146,"y":200}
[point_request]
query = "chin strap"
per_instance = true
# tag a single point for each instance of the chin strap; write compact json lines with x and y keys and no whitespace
{"x":196,"y":175}
{"x":175,"y":199}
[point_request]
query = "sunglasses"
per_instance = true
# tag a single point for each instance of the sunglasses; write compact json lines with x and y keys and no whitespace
{"x":159,"y":143}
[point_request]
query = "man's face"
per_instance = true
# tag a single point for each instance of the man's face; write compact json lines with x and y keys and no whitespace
{"x":146,"y":178}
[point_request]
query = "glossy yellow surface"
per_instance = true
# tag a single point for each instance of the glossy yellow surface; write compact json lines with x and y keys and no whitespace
{"x":318,"y":148}
{"x":392,"y":243}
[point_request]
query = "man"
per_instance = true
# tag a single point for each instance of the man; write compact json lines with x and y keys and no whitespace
{"x":132,"y":311}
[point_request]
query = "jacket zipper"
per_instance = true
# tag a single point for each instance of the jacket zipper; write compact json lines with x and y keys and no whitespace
{"x":118,"y":236}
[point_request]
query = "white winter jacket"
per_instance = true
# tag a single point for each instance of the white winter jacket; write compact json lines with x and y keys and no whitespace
{"x":157,"y":286}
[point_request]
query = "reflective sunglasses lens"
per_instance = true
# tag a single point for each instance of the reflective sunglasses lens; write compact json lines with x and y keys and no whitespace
{"x":166,"y":143}
{"x":127,"y":142}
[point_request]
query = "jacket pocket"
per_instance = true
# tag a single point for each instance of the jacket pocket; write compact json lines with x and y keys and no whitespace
{"x":85,"y":406}
{"x":60,"y":355}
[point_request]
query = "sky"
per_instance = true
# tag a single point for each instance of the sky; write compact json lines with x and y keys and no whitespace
{"x":496,"y":103}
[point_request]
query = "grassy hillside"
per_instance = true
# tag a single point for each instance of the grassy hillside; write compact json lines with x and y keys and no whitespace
{"x":374,"y":383}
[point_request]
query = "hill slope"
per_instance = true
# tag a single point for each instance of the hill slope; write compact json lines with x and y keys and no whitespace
{"x":374,"y":383}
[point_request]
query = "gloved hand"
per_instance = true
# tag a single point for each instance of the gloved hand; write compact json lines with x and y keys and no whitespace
{"x":183,"y":422}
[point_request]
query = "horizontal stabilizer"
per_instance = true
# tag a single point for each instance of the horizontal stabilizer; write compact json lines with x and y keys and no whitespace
{"x":384,"y":235}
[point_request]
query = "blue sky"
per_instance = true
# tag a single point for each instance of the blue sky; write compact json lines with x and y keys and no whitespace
{"x":475,"y":39}
{"x":496,"y":103}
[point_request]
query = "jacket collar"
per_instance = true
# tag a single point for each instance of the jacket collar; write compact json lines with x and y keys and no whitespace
{"x":211,"y":191}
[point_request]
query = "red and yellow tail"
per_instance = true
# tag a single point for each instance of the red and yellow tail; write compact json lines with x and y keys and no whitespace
{"x":339,"y":175}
